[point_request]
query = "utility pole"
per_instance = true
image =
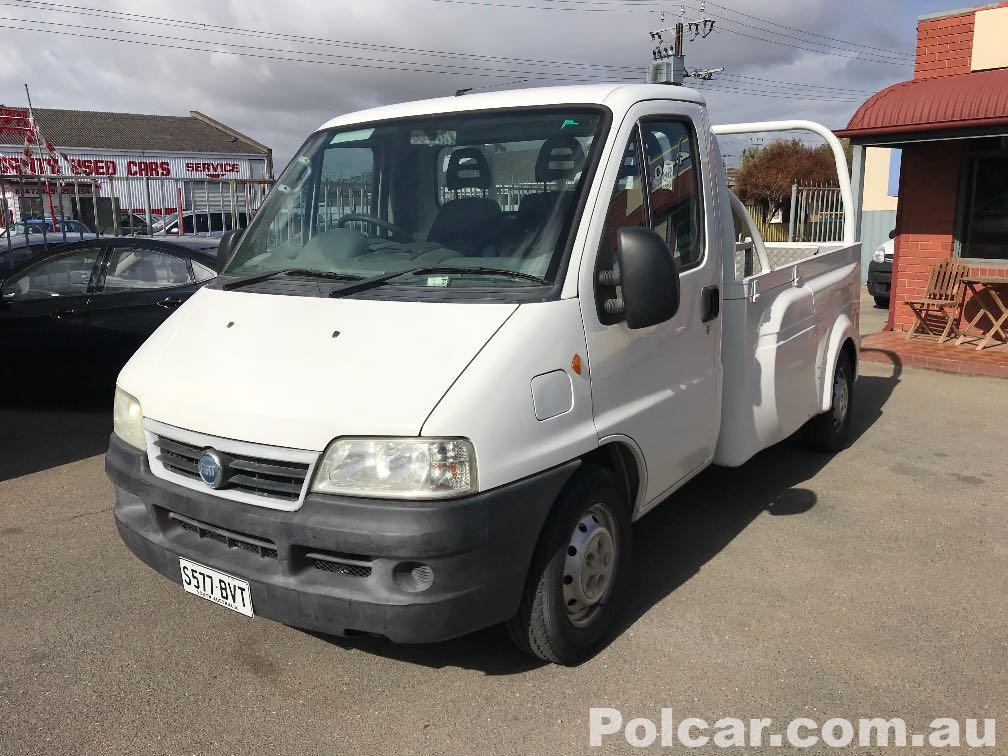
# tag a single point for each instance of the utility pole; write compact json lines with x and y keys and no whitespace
{"x":669,"y":62}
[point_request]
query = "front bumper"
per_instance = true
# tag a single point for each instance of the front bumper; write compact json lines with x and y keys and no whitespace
{"x":478,"y":550}
{"x":879,"y":278}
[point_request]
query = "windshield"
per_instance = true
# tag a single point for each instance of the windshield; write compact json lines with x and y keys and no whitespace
{"x":464,"y":200}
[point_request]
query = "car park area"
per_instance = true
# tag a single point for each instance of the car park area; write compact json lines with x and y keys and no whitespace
{"x":870,"y":583}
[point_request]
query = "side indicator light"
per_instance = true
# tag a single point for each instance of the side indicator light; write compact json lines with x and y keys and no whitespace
{"x":576,"y":363}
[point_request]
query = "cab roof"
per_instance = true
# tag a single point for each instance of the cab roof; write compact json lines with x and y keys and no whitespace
{"x":617,"y":97}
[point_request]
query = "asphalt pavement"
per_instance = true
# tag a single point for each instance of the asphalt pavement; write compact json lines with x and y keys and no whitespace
{"x":870,"y":583}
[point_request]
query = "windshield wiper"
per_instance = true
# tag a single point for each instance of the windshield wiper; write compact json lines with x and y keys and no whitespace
{"x":376,"y":281}
{"x":306,"y":272}
{"x":478,"y":271}
{"x":367,"y":283}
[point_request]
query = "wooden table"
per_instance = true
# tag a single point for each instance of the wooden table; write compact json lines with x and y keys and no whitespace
{"x":989,"y":304}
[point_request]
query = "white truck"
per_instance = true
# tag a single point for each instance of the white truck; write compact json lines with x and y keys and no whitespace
{"x":465,"y":343}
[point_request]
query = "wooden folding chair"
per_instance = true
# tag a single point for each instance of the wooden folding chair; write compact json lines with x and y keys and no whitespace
{"x":942,"y":297}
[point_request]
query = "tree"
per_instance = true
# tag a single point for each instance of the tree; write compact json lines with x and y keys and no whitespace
{"x":766,"y":175}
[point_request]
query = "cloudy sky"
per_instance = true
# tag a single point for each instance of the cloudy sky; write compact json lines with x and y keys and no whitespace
{"x":277,"y":70}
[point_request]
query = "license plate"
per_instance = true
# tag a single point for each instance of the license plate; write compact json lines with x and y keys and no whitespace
{"x":216,"y":586}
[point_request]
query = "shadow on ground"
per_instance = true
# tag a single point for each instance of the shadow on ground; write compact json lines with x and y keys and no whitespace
{"x":45,"y":424}
{"x":674,"y":541}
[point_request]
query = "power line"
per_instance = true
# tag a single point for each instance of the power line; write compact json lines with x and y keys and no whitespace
{"x":569,"y":5}
{"x":410,"y":67}
{"x":770,"y":92}
{"x":216,"y":28}
{"x":812,"y":34}
{"x":425,"y":67}
{"x":853,"y":49}
{"x":851,"y":54}
{"x":268,"y":52}
{"x":812,"y":85}
{"x":611,"y":6}
{"x":397,"y":64}
{"x":884,"y":55}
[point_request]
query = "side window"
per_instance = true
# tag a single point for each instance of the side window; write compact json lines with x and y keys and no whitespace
{"x":674,"y":182}
{"x":202,"y":223}
{"x":626,"y":206}
{"x":132,"y":268}
{"x":65,"y":275}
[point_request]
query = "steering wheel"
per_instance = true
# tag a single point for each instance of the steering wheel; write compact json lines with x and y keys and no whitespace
{"x":398,"y":234}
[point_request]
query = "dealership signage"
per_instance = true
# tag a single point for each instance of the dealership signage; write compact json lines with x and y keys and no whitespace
{"x":109,"y":166}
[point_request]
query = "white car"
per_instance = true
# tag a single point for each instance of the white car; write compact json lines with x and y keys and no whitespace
{"x":880,"y":273}
{"x":462,"y":346}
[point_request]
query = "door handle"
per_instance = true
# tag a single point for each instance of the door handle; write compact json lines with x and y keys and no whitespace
{"x":170,"y":303}
{"x":710,"y":307}
{"x":65,"y":313}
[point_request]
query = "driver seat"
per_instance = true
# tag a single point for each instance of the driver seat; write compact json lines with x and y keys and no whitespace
{"x":463,"y":221}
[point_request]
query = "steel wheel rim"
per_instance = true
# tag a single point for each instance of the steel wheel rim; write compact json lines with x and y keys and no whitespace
{"x":841,"y":398}
{"x":590,"y":565}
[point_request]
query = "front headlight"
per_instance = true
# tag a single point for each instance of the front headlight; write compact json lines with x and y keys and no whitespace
{"x":402,"y":468}
{"x":127,"y":419}
{"x":878,"y":255}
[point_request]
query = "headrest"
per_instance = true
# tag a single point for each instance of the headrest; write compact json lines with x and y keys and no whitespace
{"x":560,"y":157}
{"x":468,"y":168}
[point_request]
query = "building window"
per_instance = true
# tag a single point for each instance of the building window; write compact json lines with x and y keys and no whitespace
{"x":984,"y":233}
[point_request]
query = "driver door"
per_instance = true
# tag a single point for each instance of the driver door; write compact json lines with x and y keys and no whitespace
{"x":660,"y":386}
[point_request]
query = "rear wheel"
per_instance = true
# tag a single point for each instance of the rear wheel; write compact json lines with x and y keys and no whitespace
{"x":577,"y":576}
{"x":828,"y":432}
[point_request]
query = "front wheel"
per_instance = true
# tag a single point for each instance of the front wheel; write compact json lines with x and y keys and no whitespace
{"x":577,"y":575}
{"x":881,"y":302}
{"x":828,"y":431}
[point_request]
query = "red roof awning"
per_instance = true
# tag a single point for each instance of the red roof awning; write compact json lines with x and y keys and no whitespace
{"x":965,"y":101}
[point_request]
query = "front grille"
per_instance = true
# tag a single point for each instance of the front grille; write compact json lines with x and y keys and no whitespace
{"x":351,"y":565}
{"x":262,"y":477}
{"x":232,"y":539}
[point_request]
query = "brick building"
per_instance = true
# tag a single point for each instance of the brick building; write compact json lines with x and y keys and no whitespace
{"x":951,"y":123}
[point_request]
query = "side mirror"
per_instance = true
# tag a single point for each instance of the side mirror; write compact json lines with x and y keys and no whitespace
{"x":648,"y":277}
{"x":229,"y":240}
{"x":892,"y":234}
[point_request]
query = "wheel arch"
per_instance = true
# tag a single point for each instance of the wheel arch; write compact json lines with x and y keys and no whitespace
{"x":624,"y":459}
{"x":843,"y":339}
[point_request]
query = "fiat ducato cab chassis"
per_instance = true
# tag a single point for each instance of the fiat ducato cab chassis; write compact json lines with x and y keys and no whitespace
{"x":464,"y":344}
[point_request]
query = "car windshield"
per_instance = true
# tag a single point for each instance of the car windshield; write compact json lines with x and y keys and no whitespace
{"x":463,"y":200}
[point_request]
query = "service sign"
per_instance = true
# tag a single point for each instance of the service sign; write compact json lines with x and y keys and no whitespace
{"x":68,"y":164}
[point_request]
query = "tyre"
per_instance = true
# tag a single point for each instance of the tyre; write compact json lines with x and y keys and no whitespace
{"x":578,"y":573}
{"x":828,"y":431}
{"x":881,"y":302}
